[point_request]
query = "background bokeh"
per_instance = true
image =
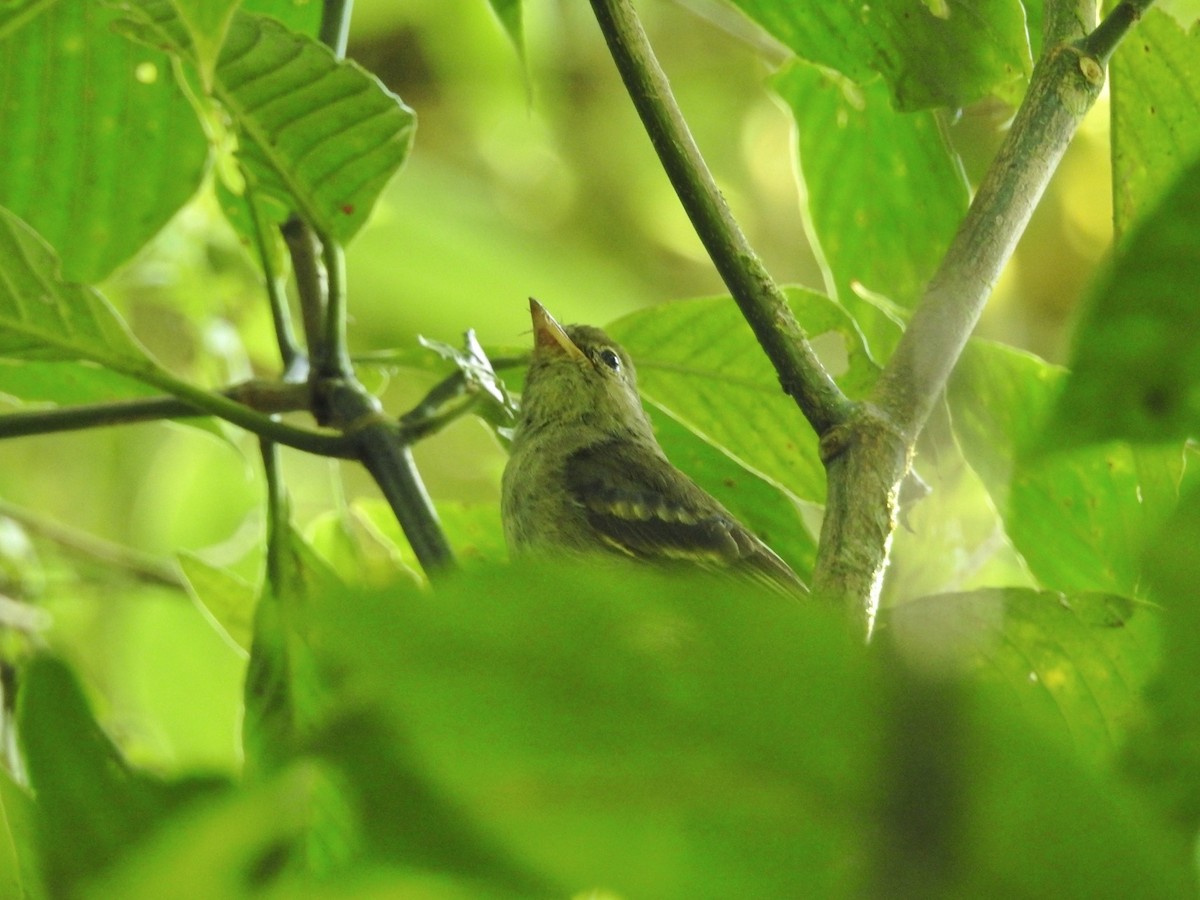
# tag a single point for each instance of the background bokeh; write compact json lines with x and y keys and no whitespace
{"x":527,"y":178}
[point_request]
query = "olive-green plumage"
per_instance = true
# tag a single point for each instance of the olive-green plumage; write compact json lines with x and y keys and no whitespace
{"x":586,"y":473}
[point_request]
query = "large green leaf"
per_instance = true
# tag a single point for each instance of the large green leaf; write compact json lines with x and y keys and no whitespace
{"x":1136,"y":360}
{"x":671,"y":737}
{"x":319,"y":134}
{"x":1155,"y":87}
{"x":698,"y":361}
{"x":100,"y":145}
{"x":943,"y":53}
{"x":1075,"y":664}
{"x":885,"y":191}
{"x":1079,"y":517}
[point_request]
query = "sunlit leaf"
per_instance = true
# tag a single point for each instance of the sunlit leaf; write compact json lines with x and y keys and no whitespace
{"x":226,"y":600}
{"x":319,"y":134}
{"x":944,"y":53}
{"x":1076,"y":664}
{"x":1155,"y":87}
{"x":1136,"y":361}
{"x":698,"y":361}
{"x":100,"y":145}
{"x":511,"y":16}
{"x":66,"y":383}
{"x":885,"y":191}
{"x":1079,"y":517}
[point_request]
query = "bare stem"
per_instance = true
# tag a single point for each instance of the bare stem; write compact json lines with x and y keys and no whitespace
{"x":759,"y":298}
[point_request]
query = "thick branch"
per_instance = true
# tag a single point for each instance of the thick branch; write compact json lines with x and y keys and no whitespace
{"x":1065,"y":84}
{"x":379,"y":447}
{"x":758,"y":297}
{"x":1104,"y":40}
{"x":874,"y":451}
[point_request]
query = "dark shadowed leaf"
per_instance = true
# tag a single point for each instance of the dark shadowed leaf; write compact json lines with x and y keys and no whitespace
{"x":698,"y":361}
{"x":91,"y":805}
{"x":615,"y":729}
{"x":1136,"y":361}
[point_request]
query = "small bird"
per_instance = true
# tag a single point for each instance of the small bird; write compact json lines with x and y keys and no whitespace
{"x":586,"y":474}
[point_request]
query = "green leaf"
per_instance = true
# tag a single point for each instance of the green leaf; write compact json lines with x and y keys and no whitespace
{"x":620,"y":730}
{"x":19,"y":877}
{"x":207,"y":22}
{"x":319,"y":134}
{"x":511,"y":15}
{"x":236,"y":847}
{"x":473,"y":530}
{"x":226,"y":600}
{"x":886,"y":196}
{"x":1136,"y":361}
{"x":698,"y":361}
{"x":1075,"y":664}
{"x":300,"y":16}
{"x":929,"y":52}
{"x":66,"y":383}
{"x":1164,"y":755}
{"x":100,"y":145}
{"x":44,"y":317}
{"x":1080,"y":518}
{"x":284,"y":697}
{"x":1155,"y":88}
{"x":91,"y":805}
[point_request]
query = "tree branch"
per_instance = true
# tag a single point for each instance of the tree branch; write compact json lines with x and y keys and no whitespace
{"x":874,"y":450}
{"x":759,"y":298}
{"x":1104,"y":40}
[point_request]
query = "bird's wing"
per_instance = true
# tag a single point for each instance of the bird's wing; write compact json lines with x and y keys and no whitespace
{"x":639,"y":504}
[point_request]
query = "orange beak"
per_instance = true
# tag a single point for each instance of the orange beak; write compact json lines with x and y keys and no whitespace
{"x":548,"y":335}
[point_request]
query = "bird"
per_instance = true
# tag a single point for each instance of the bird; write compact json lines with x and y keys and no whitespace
{"x":586,"y":474}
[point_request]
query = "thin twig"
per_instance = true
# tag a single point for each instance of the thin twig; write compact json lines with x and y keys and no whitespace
{"x":262,"y":397}
{"x":759,"y":298}
{"x":335,"y":361}
{"x":295,"y":365}
{"x":142,"y":566}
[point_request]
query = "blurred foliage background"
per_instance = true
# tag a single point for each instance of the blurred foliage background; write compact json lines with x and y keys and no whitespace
{"x":527,"y":178}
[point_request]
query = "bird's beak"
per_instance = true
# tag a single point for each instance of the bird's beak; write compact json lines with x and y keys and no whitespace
{"x":548,"y":335}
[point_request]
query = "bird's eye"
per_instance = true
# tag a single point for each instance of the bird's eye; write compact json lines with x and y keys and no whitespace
{"x":609,"y":357}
